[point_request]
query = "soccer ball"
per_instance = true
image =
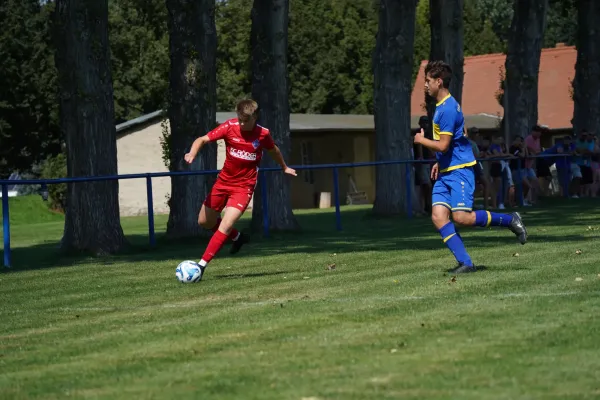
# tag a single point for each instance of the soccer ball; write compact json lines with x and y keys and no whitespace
{"x":188,"y":272}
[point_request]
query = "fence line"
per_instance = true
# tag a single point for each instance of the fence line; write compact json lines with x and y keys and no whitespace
{"x":265,"y":206}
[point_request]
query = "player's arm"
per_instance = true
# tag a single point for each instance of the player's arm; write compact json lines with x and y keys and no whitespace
{"x":218,"y":133}
{"x":276,"y":155}
{"x":440,"y":146}
{"x":196,"y":147}
{"x":446,"y":124}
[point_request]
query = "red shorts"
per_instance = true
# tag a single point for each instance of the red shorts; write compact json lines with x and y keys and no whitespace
{"x":221,"y":197}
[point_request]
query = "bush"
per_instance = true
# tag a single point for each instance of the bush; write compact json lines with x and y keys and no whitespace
{"x":53,"y":168}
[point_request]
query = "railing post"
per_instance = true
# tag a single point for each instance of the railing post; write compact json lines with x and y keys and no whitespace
{"x":151,"y":236}
{"x":6,"y":225}
{"x":409,"y":190}
{"x":265,"y":202}
{"x":520,"y":182}
{"x":336,"y":195}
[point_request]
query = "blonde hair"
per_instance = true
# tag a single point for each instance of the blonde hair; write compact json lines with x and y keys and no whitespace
{"x":247,"y":108}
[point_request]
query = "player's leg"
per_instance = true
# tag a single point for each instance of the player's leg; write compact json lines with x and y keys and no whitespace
{"x":210,"y":213}
{"x":238,"y":200}
{"x":225,"y":229}
{"x":462,"y":188}
{"x":440,"y":217}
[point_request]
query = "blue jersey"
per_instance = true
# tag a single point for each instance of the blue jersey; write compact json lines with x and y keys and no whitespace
{"x":448,"y":120}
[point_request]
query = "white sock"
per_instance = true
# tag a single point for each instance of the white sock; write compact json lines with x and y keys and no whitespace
{"x":237,"y":237}
{"x":202,"y":263}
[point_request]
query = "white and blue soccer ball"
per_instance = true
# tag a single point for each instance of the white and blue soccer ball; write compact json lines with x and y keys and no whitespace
{"x":188,"y":272}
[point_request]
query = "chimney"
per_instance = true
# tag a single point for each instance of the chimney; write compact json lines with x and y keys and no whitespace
{"x":558,"y":45}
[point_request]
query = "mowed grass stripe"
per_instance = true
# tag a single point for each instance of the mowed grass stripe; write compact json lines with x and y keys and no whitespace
{"x":275,"y":323}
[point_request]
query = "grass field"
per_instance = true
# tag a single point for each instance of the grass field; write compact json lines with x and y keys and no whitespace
{"x":274,"y":322}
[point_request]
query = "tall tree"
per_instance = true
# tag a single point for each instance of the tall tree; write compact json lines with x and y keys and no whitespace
{"x":523,"y":65}
{"x":269,"y":43}
{"x":392,"y":68}
{"x":447,"y":32}
{"x":87,"y":120}
{"x":586,"y":84}
{"x":192,"y":108}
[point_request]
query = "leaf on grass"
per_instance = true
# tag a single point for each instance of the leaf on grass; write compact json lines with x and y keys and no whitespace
{"x":578,"y":252}
{"x":331,"y":267}
{"x":307,"y":277}
{"x":393,"y":351}
{"x":578,"y":279}
{"x":333,"y":255}
{"x":453,"y":279}
{"x":516,"y":255}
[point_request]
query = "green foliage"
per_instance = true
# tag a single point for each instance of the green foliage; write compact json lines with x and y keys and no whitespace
{"x":561,"y":25}
{"x":28,"y":100}
{"x":53,"y":168}
{"x":165,"y":142}
{"x":139,"y":45}
{"x":234,"y":80}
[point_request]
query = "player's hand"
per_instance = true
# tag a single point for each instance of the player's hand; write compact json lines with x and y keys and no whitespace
{"x":419,"y":136}
{"x":434,"y":171}
{"x":189,"y":158}
{"x":290,"y":171}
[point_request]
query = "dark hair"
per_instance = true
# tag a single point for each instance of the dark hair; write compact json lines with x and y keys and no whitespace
{"x":439,"y":69}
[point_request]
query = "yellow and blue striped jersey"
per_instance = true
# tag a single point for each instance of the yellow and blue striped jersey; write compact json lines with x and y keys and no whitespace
{"x":448,"y":120}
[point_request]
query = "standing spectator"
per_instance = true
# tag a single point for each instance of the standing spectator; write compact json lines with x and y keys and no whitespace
{"x":495,"y":153}
{"x":519,"y":152}
{"x":423,"y":170}
{"x":532,"y":142}
{"x":584,"y":149}
{"x":543,"y":168}
{"x":596,"y":167}
{"x":568,"y":172}
{"x":480,"y":177}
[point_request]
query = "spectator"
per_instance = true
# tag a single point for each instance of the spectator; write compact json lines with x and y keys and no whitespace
{"x":501,"y":185}
{"x":543,"y":168}
{"x":423,"y":170}
{"x":480,"y":177}
{"x":519,"y":153}
{"x":532,"y":142}
{"x":596,"y":167}
{"x":585,"y":148}
{"x":568,"y":172}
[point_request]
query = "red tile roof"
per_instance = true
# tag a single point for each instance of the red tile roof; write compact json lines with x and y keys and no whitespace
{"x":482,"y":82}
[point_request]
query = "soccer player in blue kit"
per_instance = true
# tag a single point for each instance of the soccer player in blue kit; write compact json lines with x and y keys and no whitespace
{"x":453,"y":172}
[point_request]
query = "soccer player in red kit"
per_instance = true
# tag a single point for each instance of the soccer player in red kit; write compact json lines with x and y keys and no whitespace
{"x":245,"y":141}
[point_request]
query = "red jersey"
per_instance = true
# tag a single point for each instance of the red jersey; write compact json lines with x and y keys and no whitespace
{"x":243,"y":152}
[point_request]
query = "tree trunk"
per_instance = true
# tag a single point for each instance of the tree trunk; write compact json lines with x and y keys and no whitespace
{"x":446,"y":21}
{"x":392,"y":68}
{"x":523,"y":65}
{"x":269,"y":42}
{"x":192,"y":108}
{"x":87,"y":120}
{"x":586,"y":85}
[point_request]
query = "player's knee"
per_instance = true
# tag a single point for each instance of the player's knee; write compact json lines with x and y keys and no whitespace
{"x":463,"y":218}
{"x":439,"y":219}
{"x":226,"y":226}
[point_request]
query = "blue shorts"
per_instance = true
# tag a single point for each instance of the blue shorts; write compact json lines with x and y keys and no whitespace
{"x":455,"y":189}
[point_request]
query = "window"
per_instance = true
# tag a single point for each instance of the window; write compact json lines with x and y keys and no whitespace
{"x":306,"y":153}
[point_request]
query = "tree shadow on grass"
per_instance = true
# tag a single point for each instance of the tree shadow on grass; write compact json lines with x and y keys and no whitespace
{"x":362,"y":232}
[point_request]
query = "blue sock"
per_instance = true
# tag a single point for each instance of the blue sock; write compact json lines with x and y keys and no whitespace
{"x":487,"y":218}
{"x":454,"y":242}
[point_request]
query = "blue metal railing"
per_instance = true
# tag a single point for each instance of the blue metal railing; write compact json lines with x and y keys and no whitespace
{"x":148,"y":176}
